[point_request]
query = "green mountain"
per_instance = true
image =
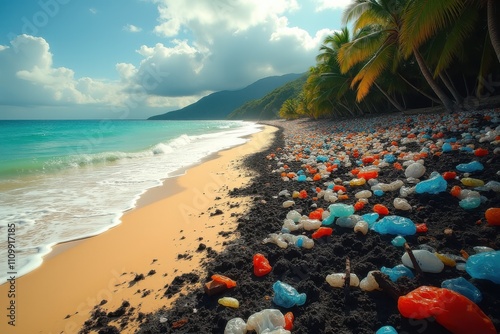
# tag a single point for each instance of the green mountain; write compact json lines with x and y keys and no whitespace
{"x":219,"y":105}
{"x":269,"y":106}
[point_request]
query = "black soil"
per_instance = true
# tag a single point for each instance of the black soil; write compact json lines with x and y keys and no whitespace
{"x":327,"y":310}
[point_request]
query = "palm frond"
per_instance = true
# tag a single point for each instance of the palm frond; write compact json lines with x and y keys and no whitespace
{"x":359,"y":50}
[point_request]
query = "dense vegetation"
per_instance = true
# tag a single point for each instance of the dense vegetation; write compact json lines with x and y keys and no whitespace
{"x":404,"y":54}
{"x":269,"y":106}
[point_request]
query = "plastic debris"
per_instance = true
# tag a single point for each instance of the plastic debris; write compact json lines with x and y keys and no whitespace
{"x":397,"y":272}
{"x":463,"y":287}
{"x":322,"y":232}
{"x":386,"y":330}
{"x":361,"y":227}
{"x":492,"y":216}
{"x":395,"y":225}
{"x":369,"y":283}
{"x":427,"y":261}
{"x":289,"y":203}
{"x":470,"y":167}
{"x":285,"y":239}
{"x":484,"y":266}
{"x":337,"y":280}
{"x":236,"y":326}
{"x":261,"y":265}
{"x":381,"y":209}
{"x":289,"y":319}
{"x":453,"y":311}
{"x":341,"y":210}
{"x":286,"y":296}
{"x":229,"y":302}
{"x":223,"y":279}
{"x":401,"y":204}
{"x":434,"y":185}
{"x":266,"y":321}
{"x":415,"y":170}
{"x":470,"y":203}
{"x":472,"y":182}
{"x":398,"y":241}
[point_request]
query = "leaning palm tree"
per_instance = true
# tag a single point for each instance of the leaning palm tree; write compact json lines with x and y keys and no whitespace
{"x":380,"y":46}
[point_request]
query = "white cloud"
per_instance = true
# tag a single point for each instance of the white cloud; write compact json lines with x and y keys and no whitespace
{"x":331,"y":4}
{"x":132,"y":28}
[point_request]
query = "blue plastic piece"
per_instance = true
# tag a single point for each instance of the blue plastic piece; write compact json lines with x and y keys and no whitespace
{"x":286,"y":296}
{"x":378,"y":192}
{"x":466,"y":149}
{"x":470,"y":167}
{"x":328,"y":220}
{"x":484,"y":266}
{"x":398,"y":241}
{"x":463,"y":287}
{"x":398,"y":271}
{"x":390,"y":158}
{"x":469,"y":203}
{"x":395,"y":225}
{"x":302,"y":178}
{"x":321,"y":158}
{"x":370,"y":218}
{"x":300,"y":172}
{"x":299,"y":242}
{"x":433,"y":185}
{"x":386,"y":330}
{"x":341,"y":210}
{"x":450,"y":140}
{"x":447,"y":147}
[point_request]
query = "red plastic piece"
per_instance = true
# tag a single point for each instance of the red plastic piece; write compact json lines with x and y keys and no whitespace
{"x":289,"y":318}
{"x":421,"y":228}
{"x":302,"y":194}
{"x":449,"y":175}
{"x":359,"y":206}
{"x":261,"y":265}
{"x":322,"y":232}
{"x":493,"y":216}
{"x":381,"y":209}
{"x":480,"y":152}
{"x":338,"y":187}
{"x":223,"y":279}
{"x":368,"y":160}
{"x":456,"y":313}
{"x":317,"y":214}
{"x":455,"y":191}
{"x":367,"y":175}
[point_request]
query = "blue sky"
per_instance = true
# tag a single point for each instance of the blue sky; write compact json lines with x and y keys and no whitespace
{"x":81,"y":59}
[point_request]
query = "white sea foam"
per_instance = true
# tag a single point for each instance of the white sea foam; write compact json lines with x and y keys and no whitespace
{"x":73,"y":203}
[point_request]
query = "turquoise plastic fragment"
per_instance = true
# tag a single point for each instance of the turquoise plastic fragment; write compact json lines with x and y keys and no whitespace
{"x":386,"y":330}
{"x":286,"y":296}
{"x":433,"y":185}
{"x":390,"y":158}
{"x":398,"y":271}
{"x":370,"y":218}
{"x":398,"y":241}
{"x":378,"y":192}
{"x":463,"y":287}
{"x":321,"y":158}
{"x":470,"y":167}
{"x":328,"y":220}
{"x":466,"y":149}
{"x":395,"y":225}
{"x":302,"y":178}
{"x":484,"y":266}
{"x":341,"y":210}
{"x":447,"y":147}
{"x":470,"y":203}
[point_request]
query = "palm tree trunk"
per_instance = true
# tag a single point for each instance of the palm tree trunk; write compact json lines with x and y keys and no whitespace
{"x":449,"y":84}
{"x":447,"y":103}
{"x":433,"y":99}
{"x":389,"y":98}
{"x":493,"y":28}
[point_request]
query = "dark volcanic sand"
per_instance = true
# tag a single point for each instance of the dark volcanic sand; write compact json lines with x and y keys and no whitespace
{"x":326,"y":310}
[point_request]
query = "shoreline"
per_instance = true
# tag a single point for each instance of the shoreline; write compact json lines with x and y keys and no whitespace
{"x":173,"y":230}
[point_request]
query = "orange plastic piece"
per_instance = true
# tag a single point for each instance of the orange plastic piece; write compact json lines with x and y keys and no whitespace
{"x":261,"y":265}
{"x":322,"y":232}
{"x":493,"y":216}
{"x":359,"y":206}
{"x":455,"y":191}
{"x":223,"y":279}
{"x":456,"y":313}
{"x":480,"y":152}
{"x":302,"y":194}
{"x":317,"y":177}
{"x":421,"y":228}
{"x":368,"y":160}
{"x":355,"y":171}
{"x":367,"y":175}
{"x":339,"y":187}
{"x":289,"y":318}
{"x":381,"y":209}
{"x":398,"y":166}
{"x":449,"y":175}
{"x":316,"y":214}
{"x":464,"y":254}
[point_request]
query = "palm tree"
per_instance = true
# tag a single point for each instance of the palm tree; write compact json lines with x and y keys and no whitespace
{"x":380,"y":45}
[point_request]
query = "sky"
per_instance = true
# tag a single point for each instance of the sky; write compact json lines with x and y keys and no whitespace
{"x":131,"y":59}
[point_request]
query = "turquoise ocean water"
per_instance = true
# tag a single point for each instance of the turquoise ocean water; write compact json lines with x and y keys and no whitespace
{"x":66,"y":180}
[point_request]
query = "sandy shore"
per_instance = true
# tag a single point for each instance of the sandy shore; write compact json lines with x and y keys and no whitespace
{"x":132,"y":262}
